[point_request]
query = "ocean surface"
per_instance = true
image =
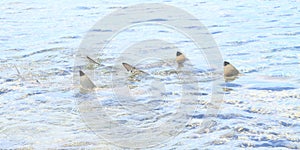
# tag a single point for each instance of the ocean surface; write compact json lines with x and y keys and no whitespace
{"x":41,"y":101}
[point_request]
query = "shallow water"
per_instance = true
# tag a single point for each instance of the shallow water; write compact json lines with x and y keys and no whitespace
{"x":39,"y":108}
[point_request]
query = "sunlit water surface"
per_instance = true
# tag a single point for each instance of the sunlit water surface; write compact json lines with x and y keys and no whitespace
{"x":39,"y":107}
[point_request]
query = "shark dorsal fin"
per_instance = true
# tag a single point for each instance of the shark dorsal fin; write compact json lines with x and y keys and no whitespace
{"x":132,"y":69}
{"x":128,"y":67}
{"x":180,"y":59}
{"x":92,"y":60}
{"x":85,"y":81}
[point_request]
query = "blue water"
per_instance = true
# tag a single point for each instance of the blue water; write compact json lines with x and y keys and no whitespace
{"x":261,"y":108}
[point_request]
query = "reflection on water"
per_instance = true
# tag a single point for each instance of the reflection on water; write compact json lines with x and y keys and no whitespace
{"x":39,"y":102}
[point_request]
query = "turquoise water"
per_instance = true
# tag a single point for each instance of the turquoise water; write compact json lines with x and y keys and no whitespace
{"x":261,"y":108}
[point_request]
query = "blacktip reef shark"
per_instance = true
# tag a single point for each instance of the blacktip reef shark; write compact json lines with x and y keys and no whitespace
{"x":180,"y":59}
{"x":85,"y":81}
{"x":230,"y":70}
{"x":133,"y":70}
{"x":92,"y":60}
{"x":22,"y":78}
